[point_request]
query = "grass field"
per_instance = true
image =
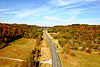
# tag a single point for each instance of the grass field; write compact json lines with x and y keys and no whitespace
{"x":19,"y":49}
{"x":82,"y":59}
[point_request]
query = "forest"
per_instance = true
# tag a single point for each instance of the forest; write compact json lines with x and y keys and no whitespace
{"x":11,"y":32}
{"x":77,"y":37}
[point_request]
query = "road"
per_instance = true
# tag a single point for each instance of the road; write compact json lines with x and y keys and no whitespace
{"x":55,"y":57}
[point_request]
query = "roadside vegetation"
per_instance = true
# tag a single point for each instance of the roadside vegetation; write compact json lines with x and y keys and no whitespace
{"x":77,"y":42}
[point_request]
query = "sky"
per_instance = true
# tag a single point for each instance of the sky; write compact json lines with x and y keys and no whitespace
{"x":50,"y":12}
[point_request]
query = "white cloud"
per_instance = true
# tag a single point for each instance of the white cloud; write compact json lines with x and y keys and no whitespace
{"x":10,"y":12}
{"x":67,"y":2}
{"x":53,"y":18}
{"x":24,"y":14}
{"x":3,"y":9}
{"x":33,"y":12}
{"x":74,"y":13}
{"x":72,"y":6}
{"x":48,"y":17}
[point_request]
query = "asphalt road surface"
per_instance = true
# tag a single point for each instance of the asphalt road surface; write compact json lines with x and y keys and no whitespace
{"x":55,"y":57}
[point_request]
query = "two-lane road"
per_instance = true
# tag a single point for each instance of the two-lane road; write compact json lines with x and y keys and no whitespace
{"x":55,"y":57}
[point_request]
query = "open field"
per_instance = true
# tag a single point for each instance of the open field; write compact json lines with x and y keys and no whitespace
{"x":82,"y":59}
{"x":19,"y":49}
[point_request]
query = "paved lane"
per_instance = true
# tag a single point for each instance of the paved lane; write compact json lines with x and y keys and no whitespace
{"x":55,"y":57}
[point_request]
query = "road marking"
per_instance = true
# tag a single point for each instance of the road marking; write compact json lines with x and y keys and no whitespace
{"x":49,"y":61}
{"x":11,"y":58}
{"x":57,"y":51}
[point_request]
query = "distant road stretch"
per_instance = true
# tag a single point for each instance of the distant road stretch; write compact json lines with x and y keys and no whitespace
{"x":55,"y":57}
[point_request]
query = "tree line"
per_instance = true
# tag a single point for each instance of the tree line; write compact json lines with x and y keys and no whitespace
{"x":10,"y":32}
{"x":77,"y":35}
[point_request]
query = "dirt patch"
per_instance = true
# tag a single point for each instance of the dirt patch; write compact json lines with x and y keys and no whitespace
{"x":45,"y":53}
{"x":69,"y":60}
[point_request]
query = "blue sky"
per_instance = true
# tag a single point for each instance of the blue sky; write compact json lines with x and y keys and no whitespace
{"x":50,"y":12}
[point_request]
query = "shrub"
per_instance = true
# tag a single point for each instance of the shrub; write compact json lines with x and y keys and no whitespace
{"x":62,"y":41}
